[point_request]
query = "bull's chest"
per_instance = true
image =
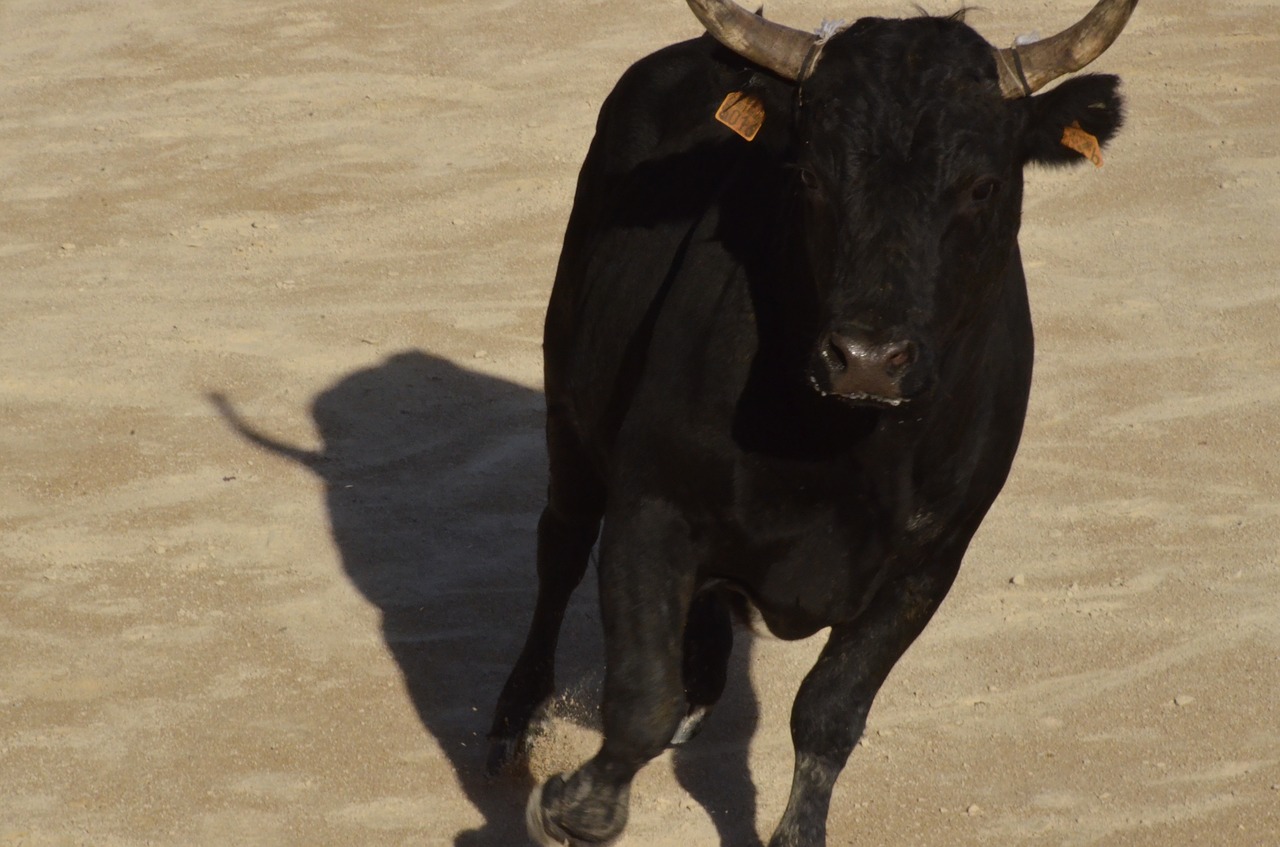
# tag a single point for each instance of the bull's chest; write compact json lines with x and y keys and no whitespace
{"x":808,"y":557}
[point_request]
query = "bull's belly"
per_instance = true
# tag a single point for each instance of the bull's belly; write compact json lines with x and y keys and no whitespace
{"x":770,"y":620}
{"x":794,"y":598}
{"x":788,"y":627}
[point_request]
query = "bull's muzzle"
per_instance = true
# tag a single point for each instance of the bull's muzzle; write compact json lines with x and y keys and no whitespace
{"x":852,"y":365}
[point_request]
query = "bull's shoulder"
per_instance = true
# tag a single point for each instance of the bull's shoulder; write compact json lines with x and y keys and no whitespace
{"x":656,"y":180}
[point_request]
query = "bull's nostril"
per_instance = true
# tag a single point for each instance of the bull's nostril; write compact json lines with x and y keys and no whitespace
{"x":900,"y":355}
{"x":835,"y":358}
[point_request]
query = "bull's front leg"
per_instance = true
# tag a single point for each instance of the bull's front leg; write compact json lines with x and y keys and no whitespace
{"x":646,"y":585}
{"x":830,"y":710}
{"x":566,"y":533}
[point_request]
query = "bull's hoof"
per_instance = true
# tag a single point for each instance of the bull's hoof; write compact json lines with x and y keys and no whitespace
{"x":689,"y":726}
{"x":543,"y":827}
{"x":540,"y":829}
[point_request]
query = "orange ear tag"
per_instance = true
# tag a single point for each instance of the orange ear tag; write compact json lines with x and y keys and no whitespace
{"x":1083,"y":143}
{"x":743,"y":113}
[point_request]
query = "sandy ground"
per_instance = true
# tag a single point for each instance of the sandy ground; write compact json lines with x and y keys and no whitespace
{"x":342,"y":219}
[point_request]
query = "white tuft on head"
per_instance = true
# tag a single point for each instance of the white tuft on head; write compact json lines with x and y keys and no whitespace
{"x":827,"y":29}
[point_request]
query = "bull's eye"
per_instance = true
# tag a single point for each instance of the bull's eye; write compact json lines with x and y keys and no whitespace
{"x":809,"y":179}
{"x":984,"y":189}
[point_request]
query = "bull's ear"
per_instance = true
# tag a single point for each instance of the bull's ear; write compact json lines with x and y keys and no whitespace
{"x":1091,"y":101}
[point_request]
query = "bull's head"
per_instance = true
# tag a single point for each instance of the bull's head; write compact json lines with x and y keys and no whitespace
{"x":909,"y":140}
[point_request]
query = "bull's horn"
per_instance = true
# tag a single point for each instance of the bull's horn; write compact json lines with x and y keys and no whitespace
{"x":779,"y":48}
{"x":1025,"y":69}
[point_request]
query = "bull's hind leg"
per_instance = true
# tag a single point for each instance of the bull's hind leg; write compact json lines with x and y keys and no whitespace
{"x":830,"y":711}
{"x":708,"y":642}
{"x":646,"y":586}
{"x":566,"y":533}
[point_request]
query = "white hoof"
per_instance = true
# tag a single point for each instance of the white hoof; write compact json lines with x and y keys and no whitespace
{"x":548,"y":834}
{"x":535,"y":823}
{"x":689,"y":726}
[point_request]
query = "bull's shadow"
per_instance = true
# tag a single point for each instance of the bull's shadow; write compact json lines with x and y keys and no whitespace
{"x":434,"y":480}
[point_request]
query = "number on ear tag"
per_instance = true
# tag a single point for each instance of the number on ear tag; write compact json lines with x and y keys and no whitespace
{"x":743,"y":113}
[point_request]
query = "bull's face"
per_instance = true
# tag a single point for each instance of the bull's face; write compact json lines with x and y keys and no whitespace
{"x":908,"y":166}
{"x":910,"y":137}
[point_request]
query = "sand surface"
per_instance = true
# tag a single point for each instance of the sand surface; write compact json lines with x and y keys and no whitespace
{"x":336,"y":224}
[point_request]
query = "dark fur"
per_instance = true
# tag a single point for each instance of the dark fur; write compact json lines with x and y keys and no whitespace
{"x":699,"y":276}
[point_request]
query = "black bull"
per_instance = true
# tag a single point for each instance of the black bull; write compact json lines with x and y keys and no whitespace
{"x":789,"y":375}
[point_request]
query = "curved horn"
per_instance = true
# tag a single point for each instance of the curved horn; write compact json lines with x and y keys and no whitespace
{"x":779,"y":48}
{"x":1028,"y":68}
